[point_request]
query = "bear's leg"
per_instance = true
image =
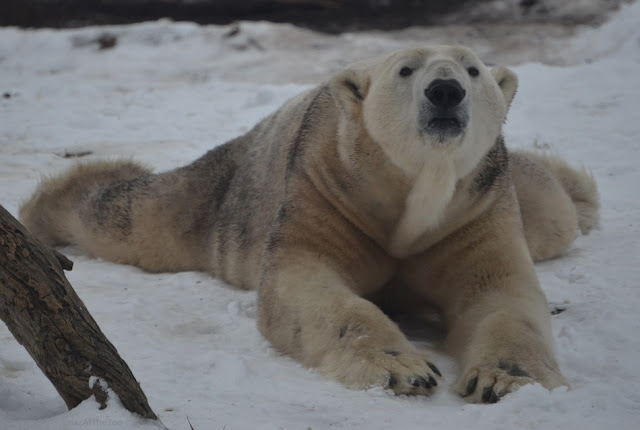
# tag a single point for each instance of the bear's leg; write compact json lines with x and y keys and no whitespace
{"x":308,"y":311}
{"x":116,"y":210}
{"x":556,"y":202}
{"x":51,"y":213}
{"x":497,"y":319}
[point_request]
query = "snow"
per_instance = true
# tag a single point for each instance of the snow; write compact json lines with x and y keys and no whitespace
{"x":170,"y":91}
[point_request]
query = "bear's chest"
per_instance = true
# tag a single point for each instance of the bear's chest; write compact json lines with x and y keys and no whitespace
{"x":424,"y":208}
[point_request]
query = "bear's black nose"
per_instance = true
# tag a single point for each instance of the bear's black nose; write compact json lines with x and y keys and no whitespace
{"x":445,"y":93}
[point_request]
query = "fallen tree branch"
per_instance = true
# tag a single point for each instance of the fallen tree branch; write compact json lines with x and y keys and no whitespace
{"x":45,"y":315}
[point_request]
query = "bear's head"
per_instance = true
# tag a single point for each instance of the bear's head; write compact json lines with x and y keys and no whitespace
{"x":426,"y":104}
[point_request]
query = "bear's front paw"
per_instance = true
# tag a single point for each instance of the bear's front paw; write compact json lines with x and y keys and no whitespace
{"x":487,"y":384}
{"x":489,"y":381}
{"x":410,"y":372}
{"x":405,"y":371}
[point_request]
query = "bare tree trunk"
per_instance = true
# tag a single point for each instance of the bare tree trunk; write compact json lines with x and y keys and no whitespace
{"x":46,"y":316}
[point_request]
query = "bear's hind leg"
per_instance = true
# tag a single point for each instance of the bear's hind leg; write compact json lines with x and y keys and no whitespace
{"x":119,"y":211}
{"x":556,"y":202}
{"x":52,"y":211}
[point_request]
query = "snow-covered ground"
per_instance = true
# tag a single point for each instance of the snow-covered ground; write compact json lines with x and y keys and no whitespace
{"x":167,"y":92}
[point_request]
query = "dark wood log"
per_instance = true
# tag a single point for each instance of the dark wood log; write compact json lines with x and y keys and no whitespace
{"x":46,"y":316}
{"x":324,"y":15}
{"x":331,"y":16}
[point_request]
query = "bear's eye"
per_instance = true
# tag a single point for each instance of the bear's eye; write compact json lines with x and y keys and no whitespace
{"x":473,"y":72}
{"x":406,"y":71}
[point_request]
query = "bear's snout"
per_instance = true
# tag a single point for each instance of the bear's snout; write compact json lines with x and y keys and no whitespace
{"x":444,"y":114}
{"x":445,"y":93}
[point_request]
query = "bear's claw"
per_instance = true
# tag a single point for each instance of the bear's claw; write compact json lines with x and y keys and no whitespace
{"x":434,"y":369}
{"x":489,"y":385}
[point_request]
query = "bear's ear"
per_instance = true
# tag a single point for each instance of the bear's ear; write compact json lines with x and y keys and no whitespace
{"x":507,"y":81}
{"x":350,"y":87}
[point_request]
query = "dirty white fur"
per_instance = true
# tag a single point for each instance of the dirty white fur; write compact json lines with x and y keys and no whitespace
{"x":349,"y":197}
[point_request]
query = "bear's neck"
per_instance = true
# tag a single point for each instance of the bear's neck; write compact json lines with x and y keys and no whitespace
{"x":431,"y":191}
{"x":399,"y":207}
{"x":424,"y":205}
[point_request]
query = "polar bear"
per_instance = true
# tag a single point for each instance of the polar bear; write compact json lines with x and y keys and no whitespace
{"x":390,"y":179}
